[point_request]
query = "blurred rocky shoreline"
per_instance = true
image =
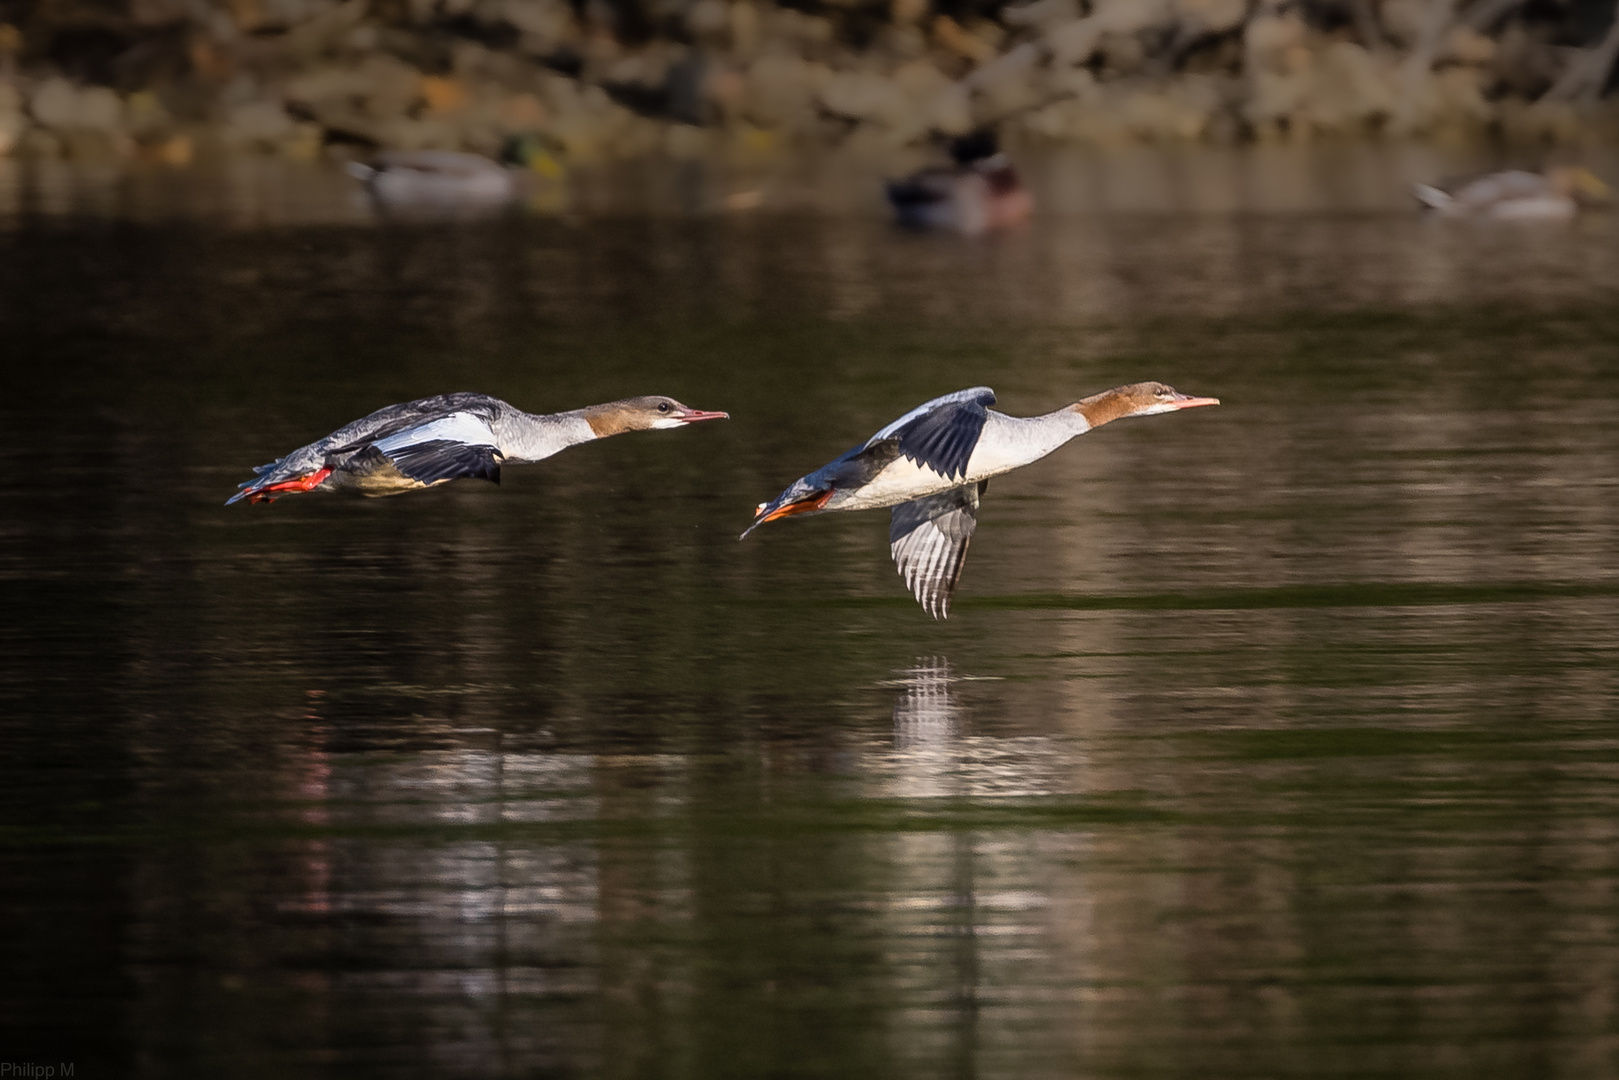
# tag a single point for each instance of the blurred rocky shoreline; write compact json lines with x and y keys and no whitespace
{"x":172,"y":80}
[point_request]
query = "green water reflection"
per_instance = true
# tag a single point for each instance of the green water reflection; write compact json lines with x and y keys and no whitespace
{"x":1275,"y":740}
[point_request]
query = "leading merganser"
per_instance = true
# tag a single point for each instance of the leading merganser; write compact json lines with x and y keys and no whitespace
{"x":434,"y":440}
{"x":932,"y":465}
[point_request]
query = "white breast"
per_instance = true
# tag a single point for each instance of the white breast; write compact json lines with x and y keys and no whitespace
{"x":1007,"y":443}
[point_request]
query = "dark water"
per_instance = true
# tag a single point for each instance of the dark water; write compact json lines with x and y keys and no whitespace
{"x":1269,"y":740}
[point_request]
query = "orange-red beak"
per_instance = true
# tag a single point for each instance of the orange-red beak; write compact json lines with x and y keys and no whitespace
{"x":803,"y":506}
{"x":692,"y":416}
{"x":1187,"y":401}
{"x":766,"y":512}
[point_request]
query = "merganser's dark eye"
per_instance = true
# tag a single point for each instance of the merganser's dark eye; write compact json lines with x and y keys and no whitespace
{"x":663,"y":406}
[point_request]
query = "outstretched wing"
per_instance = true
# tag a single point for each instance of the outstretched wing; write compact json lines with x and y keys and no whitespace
{"x":450,"y":447}
{"x":459,"y":411}
{"x":929,"y":537}
{"x":941,"y":434}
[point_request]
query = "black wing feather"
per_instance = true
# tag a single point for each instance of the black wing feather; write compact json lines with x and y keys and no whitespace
{"x":442,"y":459}
{"x":943,"y":440}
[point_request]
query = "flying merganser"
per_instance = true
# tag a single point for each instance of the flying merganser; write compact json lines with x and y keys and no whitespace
{"x":1517,"y":195}
{"x":980,"y":192}
{"x":422,"y":443}
{"x":932,"y":465}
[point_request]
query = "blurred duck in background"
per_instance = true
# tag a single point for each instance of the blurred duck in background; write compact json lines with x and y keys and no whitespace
{"x":932,"y":465}
{"x":450,"y":179}
{"x":420,"y":444}
{"x":981,"y":191}
{"x":1556,"y":194}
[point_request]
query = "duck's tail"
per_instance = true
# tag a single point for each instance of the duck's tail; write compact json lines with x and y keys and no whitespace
{"x":269,"y":485}
{"x":1433,"y":198}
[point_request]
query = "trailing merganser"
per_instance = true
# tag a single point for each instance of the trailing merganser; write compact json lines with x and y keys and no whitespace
{"x":422,"y":443}
{"x":1517,"y":195}
{"x":932,"y":465}
{"x":980,"y":192}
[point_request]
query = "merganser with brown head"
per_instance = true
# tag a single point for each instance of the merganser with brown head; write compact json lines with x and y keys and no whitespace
{"x":423,"y":443}
{"x":932,"y":465}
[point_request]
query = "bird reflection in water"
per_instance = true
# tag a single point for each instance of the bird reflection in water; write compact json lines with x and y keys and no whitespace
{"x":935,"y":754}
{"x":925,"y":715}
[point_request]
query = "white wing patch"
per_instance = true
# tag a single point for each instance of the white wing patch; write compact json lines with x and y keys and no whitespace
{"x":461,"y":427}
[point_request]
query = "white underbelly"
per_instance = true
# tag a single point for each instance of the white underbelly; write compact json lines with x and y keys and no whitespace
{"x":904,"y":479}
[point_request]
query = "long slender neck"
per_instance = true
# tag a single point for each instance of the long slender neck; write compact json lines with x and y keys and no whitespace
{"x":528,"y":436}
{"x":1010,"y":442}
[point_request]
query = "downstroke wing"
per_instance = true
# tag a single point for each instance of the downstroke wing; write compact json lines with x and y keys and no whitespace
{"x":928,"y":538}
{"x":400,"y":419}
{"x":941,"y":434}
{"x":448,"y":448}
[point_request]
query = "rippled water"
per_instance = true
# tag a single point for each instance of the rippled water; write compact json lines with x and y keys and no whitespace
{"x":1269,"y":740}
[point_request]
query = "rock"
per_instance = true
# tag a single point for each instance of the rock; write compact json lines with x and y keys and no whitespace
{"x":907,"y":12}
{"x":393,"y":87}
{"x":1541,"y":121}
{"x":443,"y":94}
{"x":949,"y":36}
{"x":782,"y":91}
{"x":1275,"y":44}
{"x":1350,"y":88}
{"x":324,"y":32}
{"x":546,"y":22}
{"x":145,"y":116}
{"x":1449,"y":99}
{"x":1074,"y":42}
{"x":866,"y":96}
{"x":38,"y":142}
{"x":1213,"y":16}
{"x":1525,"y":65}
{"x":745,"y":27}
{"x":1121,"y":54}
{"x":1464,"y":45}
{"x":12,"y":121}
{"x":1042,"y":14}
{"x":1403,"y":20}
{"x":62,"y":106}
{"x":1012,"y":67}
{"x":261,"y":125}
{"x":708,"y":20}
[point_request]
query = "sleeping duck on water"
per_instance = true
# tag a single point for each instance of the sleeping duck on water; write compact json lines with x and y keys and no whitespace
{"x":1517,"y":195}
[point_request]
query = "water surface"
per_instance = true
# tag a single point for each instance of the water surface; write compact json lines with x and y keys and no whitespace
{"x":1267,"y":740}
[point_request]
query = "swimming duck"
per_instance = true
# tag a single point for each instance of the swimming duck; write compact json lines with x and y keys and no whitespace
{"x":450,"y":178}
{"x":981,"y":191}
{"x":423,"y":443}
{"x":1517,"y":195}
{"x":933,"y":464}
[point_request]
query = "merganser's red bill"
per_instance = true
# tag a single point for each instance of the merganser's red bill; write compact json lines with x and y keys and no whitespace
{"x":1187,"y":401}
{"x":692,"y":416}
{"x":803,"y":506}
